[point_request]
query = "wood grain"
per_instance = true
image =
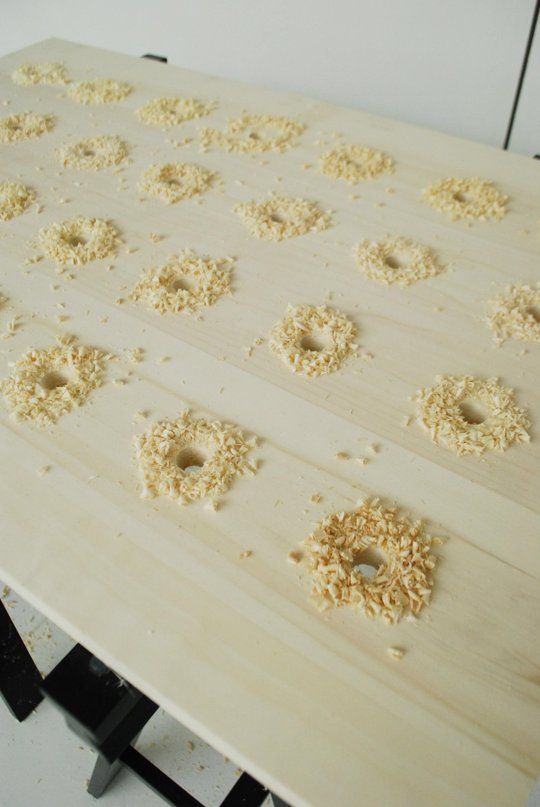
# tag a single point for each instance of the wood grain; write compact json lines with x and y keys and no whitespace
{"x":311,"y":704}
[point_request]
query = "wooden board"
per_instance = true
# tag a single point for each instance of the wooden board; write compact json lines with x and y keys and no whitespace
{"x":311,"y":704}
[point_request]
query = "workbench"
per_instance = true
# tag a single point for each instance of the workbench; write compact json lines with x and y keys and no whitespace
{"x":310,"y":703}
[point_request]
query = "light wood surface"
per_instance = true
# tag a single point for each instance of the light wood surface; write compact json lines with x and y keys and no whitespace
{"x":311,"y":704}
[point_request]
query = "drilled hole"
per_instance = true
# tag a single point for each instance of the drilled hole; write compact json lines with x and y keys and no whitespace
{"x":190,"y":459}
{"x":462,"y":197}
{"x":472,"y":411}
{"x":314,"y":342}
{"x":277,"y":218}
{"x":77,"y":240}
{"x":89,"y":152}
{"x":368,"y":561}
{"x":534,"y":312}
{"x":393,"y":262}
{"x":53,"y":380}
{"x":181,"y":284}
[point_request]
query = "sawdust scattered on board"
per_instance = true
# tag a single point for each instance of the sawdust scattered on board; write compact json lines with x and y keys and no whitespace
{"x":40,"y":73}
{"x":24,"y":126}
{"x":466,"y":198}
{"x":14,"y":199}
{"x":185,"y":283}
{"x":396,"y":261}
{"x":191,"y":458}
{"x":354,"y":163}
{"x":79,"y":240}
{"x":253,"y":133}
{"x":471,"y":415}
{"x":99,"y":91}
{"x":46,"y":383}
{"x":172,"y":111}
{"x":94,"y":153}
{"x":516,"y":314}
{"x":173,"y":182}
{"x":313,"y":340}
{"x":372,"y":558}
{"x":281,"y":217}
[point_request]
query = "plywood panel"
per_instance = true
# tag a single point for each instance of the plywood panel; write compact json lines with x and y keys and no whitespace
{"x":311,"y":704}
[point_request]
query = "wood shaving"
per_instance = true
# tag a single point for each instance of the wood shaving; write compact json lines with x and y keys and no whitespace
{"x":14,"y":199}
{"x":247,"y":553}
{"x":396,"y":653}
{"x":516,"y":314}
{"x":443,"y":412}
{"x":400,"y":550}
{"x":40,"y":73}
{"x":186,"y":283}
{"x":470,"y":197}
{"x":167,"y":112}
{"x":313,"y":340}
{"x":282,"y":217}
{"x":135,"y":354}
{"x":168,"y":444}
{"x":94,"y":153}
{"x":396,"y":261}
{"x":78,"y":241}
{"x":172,"y":182}
{"x":253,"y":133}
{"x":24,"y":126}
{"x":47,"y":383}
{"x":99,"y":91}
{"x":354,"y":163}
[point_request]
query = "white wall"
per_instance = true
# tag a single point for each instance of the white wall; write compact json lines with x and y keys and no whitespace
{"x":448,"y":64}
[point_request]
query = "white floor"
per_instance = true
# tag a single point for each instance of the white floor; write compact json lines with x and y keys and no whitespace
{"x":43,"y":763}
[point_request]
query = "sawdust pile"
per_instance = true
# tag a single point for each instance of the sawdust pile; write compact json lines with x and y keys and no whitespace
{"x":79,"y":240}
{"x":189,"y":458}
{"x":46,"y":383}
{"x":396,"y":261}
{"x":282,"y":217}
{"x":94,"y":153}
{"x":185,"y":283}
{"x":373,"y":559}
{"x":471,"y":415}
{"x":313,"y":340}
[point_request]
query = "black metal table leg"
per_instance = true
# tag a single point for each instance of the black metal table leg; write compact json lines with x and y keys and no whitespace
{"x":20,"y":679}
{"x":109,"y":714}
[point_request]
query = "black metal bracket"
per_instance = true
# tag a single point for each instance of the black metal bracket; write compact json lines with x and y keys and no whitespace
{"x":155,"y":58}
{"x":109,"y":713}
{"x":522,"y":72}
{"x":20,"y":679}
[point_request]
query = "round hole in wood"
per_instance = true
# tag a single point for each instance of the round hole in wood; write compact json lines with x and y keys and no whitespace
{"x":77,"y":240}
{"x":368,"y":561}
{"x":393,"y":262}
{"x":472,"y":411}
{"x":190,"y":459}
{"x":181,"y":284}
{"x":534,"y":312}
{"x":277,"y":218}
{"x":462,"y":197}
{"x":52,"y":380}
{"x":315,"y":342}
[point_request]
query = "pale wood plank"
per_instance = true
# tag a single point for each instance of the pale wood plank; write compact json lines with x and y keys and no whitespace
{"x":310,"y":704}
